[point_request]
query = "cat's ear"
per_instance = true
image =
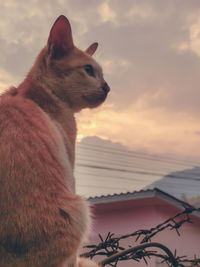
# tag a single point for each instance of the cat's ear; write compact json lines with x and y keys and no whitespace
{"x":60,"y":40}
{"x":91,"y":49}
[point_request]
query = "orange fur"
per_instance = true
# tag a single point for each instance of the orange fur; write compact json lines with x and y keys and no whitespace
{"x":43,"y":221}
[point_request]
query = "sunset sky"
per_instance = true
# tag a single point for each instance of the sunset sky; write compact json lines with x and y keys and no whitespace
{"x":150,"y":53}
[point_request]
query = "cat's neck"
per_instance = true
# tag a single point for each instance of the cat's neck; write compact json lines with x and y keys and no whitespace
{"x":59,"y":112}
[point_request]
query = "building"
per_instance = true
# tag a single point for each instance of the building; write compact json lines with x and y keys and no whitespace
{"x":127,"y":212}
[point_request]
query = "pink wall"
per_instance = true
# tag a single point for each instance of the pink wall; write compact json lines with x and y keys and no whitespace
{"x":128,"y":216}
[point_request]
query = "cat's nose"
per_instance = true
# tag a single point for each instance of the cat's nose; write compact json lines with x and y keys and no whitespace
{"x":106,"y":87}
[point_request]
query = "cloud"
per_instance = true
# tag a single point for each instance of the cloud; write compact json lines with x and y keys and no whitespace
{"x":151,"y":130}
{"x":5,"y":80}
{"x":150,"y":52}
{"x":149,"y":44}
{"x":143,"y":11}
{"x":106,"y":13}
{"x":192,"y":43}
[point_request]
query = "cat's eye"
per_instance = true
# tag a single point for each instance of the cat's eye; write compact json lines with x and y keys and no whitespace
{"x":89,"y":69}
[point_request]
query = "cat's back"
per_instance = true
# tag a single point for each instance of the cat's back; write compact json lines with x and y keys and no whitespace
{"x":23,"y":125}
{"x":14,"y":107}
{"x":37,"y":210}
{"x":30,"y":145}
{"x":31,"y":184}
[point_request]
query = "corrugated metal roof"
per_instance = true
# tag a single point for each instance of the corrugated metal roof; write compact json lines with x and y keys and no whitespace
{"x":139,"y":195}
{"x":181,"y":184}
{"x":122,"y":194}
{"x":119,"y":196}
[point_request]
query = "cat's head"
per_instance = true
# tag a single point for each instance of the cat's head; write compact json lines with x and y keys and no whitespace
{"x":72,"y":75}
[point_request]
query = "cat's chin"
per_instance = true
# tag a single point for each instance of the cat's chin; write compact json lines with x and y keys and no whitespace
{"x":94,"y":101}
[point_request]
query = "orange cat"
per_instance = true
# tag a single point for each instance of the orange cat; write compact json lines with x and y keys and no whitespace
{"x":42,"y":220}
